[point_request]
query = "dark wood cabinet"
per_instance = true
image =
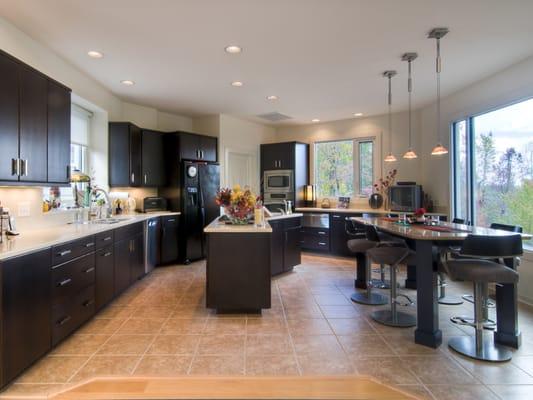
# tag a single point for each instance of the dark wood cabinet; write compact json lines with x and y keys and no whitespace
{"x":169,"y":239}
{"x":26,"y":305}
{"x":314,"y":238}
{"x":33,"y":149}
{"x":137,"y":257}
{"x":122,"y":250}
{"x":285,"y":250}
{"x":208,"y":148}
{"x":276,"y":247}
{"x":129,"y":255}
{"x":153,"y":166}
{"x":58,"y":133}
{"x":337,"y":233}
{"x":9,"y":119}
{"x":196,"y":147}
{"x":105,"y":276}
{"x":124,"y":154}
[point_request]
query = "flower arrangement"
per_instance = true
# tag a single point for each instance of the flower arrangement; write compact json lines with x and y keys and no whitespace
{"x":383,"y":185}
{"x":420,"y":212}
{"x":238,"y":203}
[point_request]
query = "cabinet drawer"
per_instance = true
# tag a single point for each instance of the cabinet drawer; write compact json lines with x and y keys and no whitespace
{"x":70,"y":250}
{"x":104,"y":239}
{"x":292,"y":222}
{"x":317,"y":232}
{"x":314,"y":242}
{"x":69,"y":278}
{"x":128,"y":231}
{"x":69,"y":315}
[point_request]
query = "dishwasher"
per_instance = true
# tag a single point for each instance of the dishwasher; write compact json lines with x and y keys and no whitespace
{"x":152,"y":244}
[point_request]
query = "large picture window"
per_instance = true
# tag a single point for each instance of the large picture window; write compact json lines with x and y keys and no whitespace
{"x":493,"y":167}
{"x":344,"y":167}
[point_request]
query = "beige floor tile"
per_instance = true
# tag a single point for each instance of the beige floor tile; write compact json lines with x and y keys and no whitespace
{"x":190,"y":311}
{"x":390,"y":370}
{"x":80,"y":344}
{"x":272,"y":365}
{"x":350,"y":326}
{"x":309,"y":326}
{"x":268,"y":344}
{"x":184,"y":326}
{"x":144,"y":326}
{"x":325,"y":364}
{"x":101,"y":326}
{"x":225,"y":326}
{"x":222,"y":344}
{"x":512,"y":392}
{"x":495,"y":373}
{"x":463,"y":392}
{"x":418,"y":391}
{"x":434,"y":370}
{"x":53,"y":369}
{"x":174,"y":344}
{"x":365,"y":345}
{"x":218,"y":365}
{"x":331,"y":300}
{"x":340,"y":311}
{"x":31,"y":390}
{"x":525,"y":363}
{"x":106,"y":366}
{"x":116,"y":311}
{"x":299,"y":312}
{"x":153,"y":311}
{"x":151,"y":365}
{"x":266,"y":326}
{"x":126,"y":345}
{"x":405,"y":345}
{"x":317,"y":344}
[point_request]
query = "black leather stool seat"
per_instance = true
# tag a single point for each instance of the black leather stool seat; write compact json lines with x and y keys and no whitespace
{"x":360,"y":245}
{"x":390,"y":255}
{"x":475,"y":270}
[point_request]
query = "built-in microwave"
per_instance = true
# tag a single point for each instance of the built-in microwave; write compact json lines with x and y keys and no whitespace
{"x":406,"y":198}
{"x":280,"y":180}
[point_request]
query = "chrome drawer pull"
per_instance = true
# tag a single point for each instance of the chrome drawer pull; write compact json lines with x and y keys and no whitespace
{"x":336,"y":216}
{"x":106,"y":238}
{"x":107,"y":254}
{"x":64,"y":253}
{"x":171,"y":220}
{"x":321,"y":233}
{"x":64,"y":320}
{"x":89,"y":270}
{"x":88,"y":303}
{"x":90,"y":244}
{"x":321,"y":243}
{"x":64,"y":282}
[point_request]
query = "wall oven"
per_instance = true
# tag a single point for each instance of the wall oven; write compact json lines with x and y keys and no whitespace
{"x":278,"y":181}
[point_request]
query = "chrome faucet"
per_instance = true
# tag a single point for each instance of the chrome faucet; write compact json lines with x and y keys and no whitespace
{"x":108,"y":201}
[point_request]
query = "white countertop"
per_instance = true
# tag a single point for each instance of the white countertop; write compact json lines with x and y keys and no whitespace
{"x":39,"y":239}
{"x":354,"y":210}
{"x":285,"y":216}
{"x":220,"y":227}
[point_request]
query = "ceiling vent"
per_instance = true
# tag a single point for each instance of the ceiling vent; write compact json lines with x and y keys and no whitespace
{"x":274,"y":117}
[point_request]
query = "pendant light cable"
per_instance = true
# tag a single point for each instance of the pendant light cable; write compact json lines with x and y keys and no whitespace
{"x":409,"y":57}
{"x":389,"y":74}
{"x":437,"y":34}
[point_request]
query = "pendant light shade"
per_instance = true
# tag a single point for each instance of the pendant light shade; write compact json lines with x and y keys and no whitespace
{"x":437,"y":34}
{"x":409,"y":57}
{"x":389,"y":74}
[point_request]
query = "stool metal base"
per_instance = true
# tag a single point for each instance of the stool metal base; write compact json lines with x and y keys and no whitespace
{"x":375,"y":299}
{"x":450,"y":301}
{"x":398,"y":319}
{"x":466,"y":345}
{"x":379,"y":284}
{"x":488,"y":324}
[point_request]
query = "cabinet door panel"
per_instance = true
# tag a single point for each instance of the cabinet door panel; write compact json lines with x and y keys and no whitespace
{"x":33,"y":126}
{"x":208,"y":146}
{"x":9,"y":118}
{"x":189,"y":146}
{"x":276,"y":249}
{"x":122,"y":265}
{"x":153,"y":168}
{"x":26,"y":305}
{"x":286,"y":155}
{"x":291,"y":249}
{"x":137,"y":257}
{"x":169,"y":239}
{"x":119,"y":159}
{"x":105,"y":276}
{"x":58,"y":133}
{"x":135,"y":156}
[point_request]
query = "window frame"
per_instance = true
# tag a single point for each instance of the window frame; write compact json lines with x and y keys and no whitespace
{"x":356,"y":158}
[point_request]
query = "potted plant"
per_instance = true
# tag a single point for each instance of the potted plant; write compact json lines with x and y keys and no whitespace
{"x":381,"y":189}
{"x":238,"y":204}
{"x":420,"y":215}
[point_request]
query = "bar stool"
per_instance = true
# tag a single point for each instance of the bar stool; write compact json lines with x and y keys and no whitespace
{"x":483,"y":265}
{"x":488,"y":304}
{"x":393,"y":254}
{"x":443,"y":297}
{"x":362,"y":246}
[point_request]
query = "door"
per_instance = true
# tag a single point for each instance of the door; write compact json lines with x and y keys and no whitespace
{"x":153,"y":168}
{"x":33,"y":130}
{"x":135,"y":156}
{"x":189,"y":146}
{"x":58,"y":133}
{"x":276,"y":248}
{"x":26,"y":305}
{"x":208,"y":147}
{"x":169,"y":239}
{"x":137,"y":257}
{"x":105,"y":276}
{"x":9,"y":119}
{"x":122,"y":265}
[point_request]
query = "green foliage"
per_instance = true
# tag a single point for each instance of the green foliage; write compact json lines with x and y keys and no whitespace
{"x":334,"y":168}
{"x":520,"y":207}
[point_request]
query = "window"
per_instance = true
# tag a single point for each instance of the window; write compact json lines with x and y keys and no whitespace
{"x":344,"y":167}
{"x":493,"y":167}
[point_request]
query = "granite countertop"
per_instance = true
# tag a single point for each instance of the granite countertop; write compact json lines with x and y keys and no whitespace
{"x":354,"y":210}
{"x":39,"y":239}
{"x":220,"y":227}
{"x":284,"y":216}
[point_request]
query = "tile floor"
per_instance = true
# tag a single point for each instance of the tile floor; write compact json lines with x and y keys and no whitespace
{"x":160,"y":327}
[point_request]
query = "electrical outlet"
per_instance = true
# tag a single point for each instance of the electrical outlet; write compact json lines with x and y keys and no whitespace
{"x":24,"y":209}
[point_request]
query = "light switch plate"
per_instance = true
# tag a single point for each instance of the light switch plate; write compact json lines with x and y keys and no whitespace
{"x":24,"y":209}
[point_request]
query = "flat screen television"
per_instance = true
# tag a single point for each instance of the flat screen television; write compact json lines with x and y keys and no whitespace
{"x":405,"y":198}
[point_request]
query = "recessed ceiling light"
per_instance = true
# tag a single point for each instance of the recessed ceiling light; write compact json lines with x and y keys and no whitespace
{"x":272,"y":98}
{"x":315,"y":120}
{"x":358,"y":115}
{"x":95,"y":54}
{"x":233,"y":49}
{"x":127,"y":82}
{"x":237,"y":83}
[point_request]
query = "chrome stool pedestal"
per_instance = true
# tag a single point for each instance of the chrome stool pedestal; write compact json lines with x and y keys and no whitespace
{"x":368,"y":297}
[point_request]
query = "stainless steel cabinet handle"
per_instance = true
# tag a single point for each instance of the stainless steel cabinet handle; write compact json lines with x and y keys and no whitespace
{"x":321,"y":233}
{"x":89,"y":270}
{"x":90,"y":244}
{"x":106,"y":238}
{"x":335,"y":216}
{"x":145,"y":179}
{"x":321,"y":243}
{"x":15,"y":166}
{"x":171,"y":220}
{"x":64,"y":282}
{"x":23,"y":167}
{"x":107,"y":254}
{"x":64,"y":320}
{"x":64,"y":253}
{"x":132,"y":177}
{"x":88,"y":303}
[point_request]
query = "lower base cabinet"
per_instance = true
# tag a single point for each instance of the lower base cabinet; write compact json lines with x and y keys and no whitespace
{"x":105,"y":276}
{"x":129,"y":256}
{"x":285,"y":252}
{"x":26,"y":307}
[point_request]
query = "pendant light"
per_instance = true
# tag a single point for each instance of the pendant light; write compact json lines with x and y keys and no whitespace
{"x":389,"y":74}
{"x":437,"y":34}
{"x":409,"y":57}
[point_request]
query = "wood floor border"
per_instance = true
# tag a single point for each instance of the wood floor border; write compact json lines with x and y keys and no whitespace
{"x":223,"y":388}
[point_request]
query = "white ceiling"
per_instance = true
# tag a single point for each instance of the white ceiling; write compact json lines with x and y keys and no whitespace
{"x":323,"y":59}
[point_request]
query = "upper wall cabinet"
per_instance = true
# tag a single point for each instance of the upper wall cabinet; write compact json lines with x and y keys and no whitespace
{"x":124,"y":154}
{"x":197,"y":147}
{"x":34,"y":126}
{"x":153,"y":165}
